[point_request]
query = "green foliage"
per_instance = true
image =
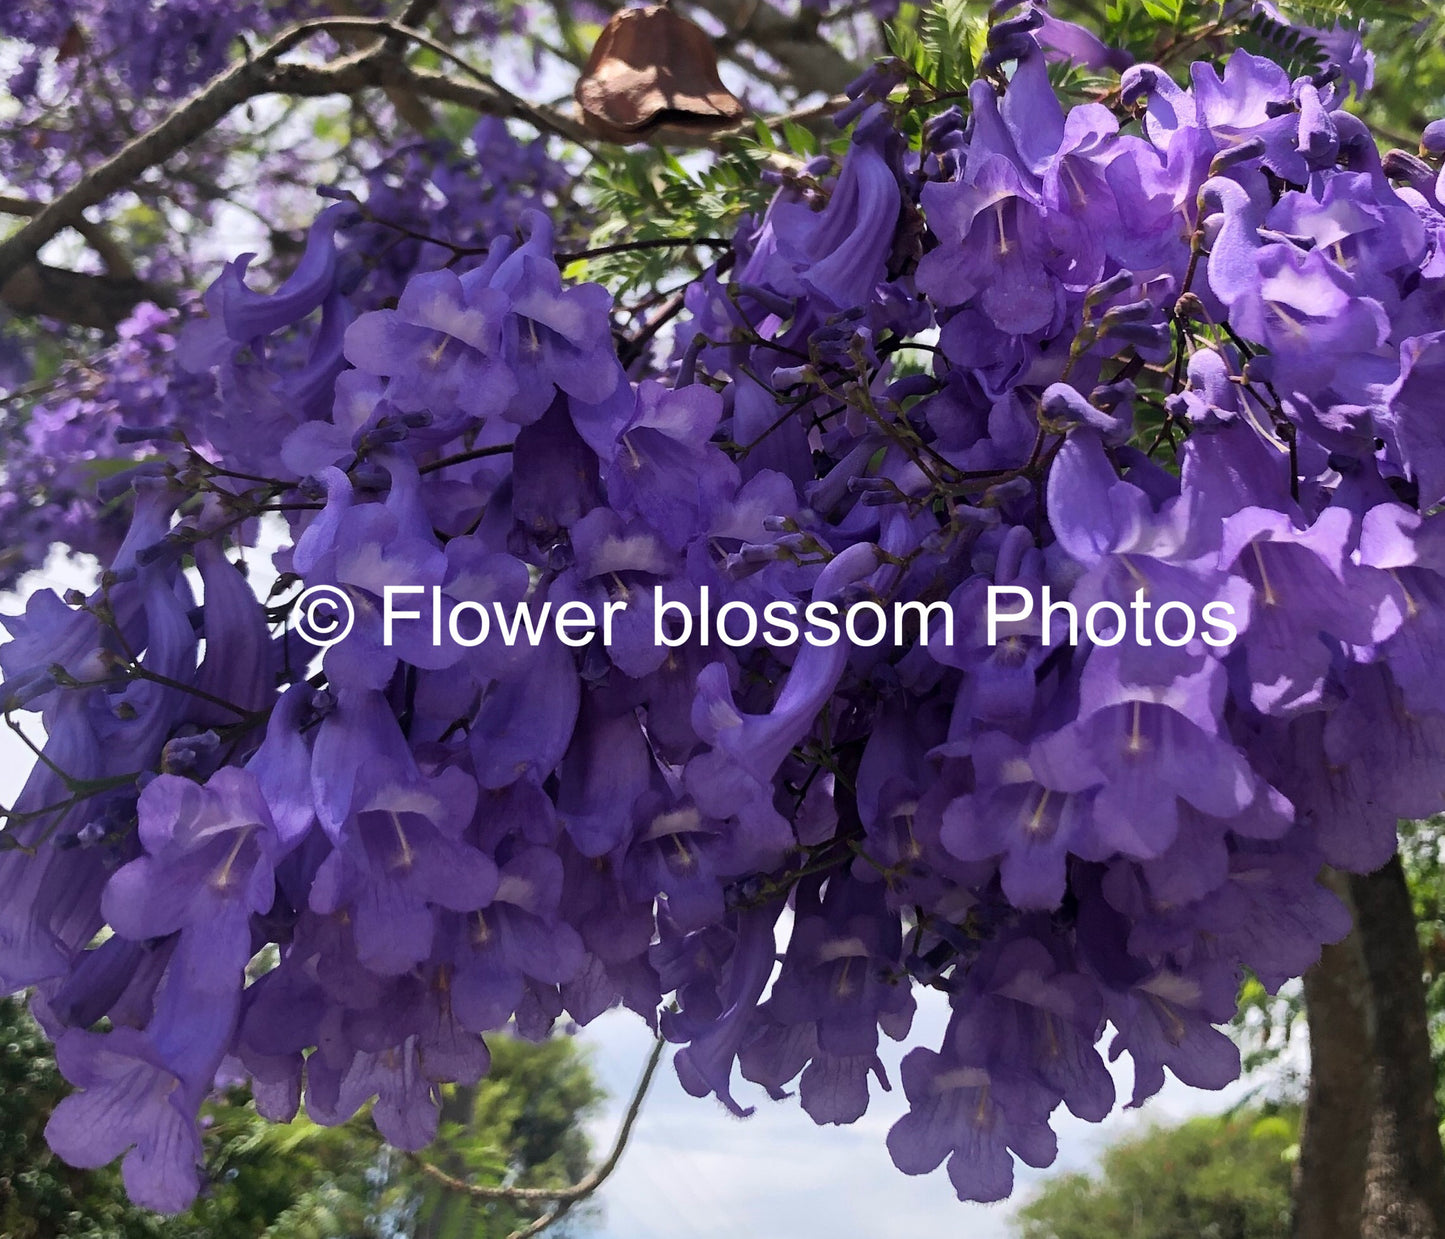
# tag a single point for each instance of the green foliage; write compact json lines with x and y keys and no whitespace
{"x":1168,"y":11}
{"x":1220,"y":1177}
{"x":520,"y":1127}
{"x":1422,"y":848}
{"x":940,"y":42}
{"x":1409,"y":75}
{"x":1328,"y":13}
{"x":649,"y":196}
{"x":40,"y":1197}
{"x":1299,"y":53}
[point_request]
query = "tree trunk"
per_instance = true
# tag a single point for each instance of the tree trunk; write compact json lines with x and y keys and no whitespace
{"x":1371,"y":1164}
{"x":1329,"y":1185}
{"x":1405,"y":1169}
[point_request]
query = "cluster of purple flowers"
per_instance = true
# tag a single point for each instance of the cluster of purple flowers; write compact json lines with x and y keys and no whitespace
{"x":432,"y":204}
{"x":86,"y":75}
{"x":1048,"y":349}
{"x":422,"y":207}
{"x":83,"y":77}
{"x":58,"y":455}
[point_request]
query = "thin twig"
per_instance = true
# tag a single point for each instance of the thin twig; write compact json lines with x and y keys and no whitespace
{"x":656,"y":243}
{"x":564,"y":1197}
{"x":461,"y":458}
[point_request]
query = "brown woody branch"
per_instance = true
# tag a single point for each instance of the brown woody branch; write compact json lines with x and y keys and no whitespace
{"x":561,"y":1199}
{"x":99,"y":301}
{"x":793,"y":42}
{"x":248,"y":79}
{"x":812,"y":62}
{"x":115,"y":259}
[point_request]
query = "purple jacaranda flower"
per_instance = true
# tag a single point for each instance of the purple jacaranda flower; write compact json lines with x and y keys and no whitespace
{"x":734,"y":775}
{"x":434,"y":842}
{"x":46,"y":891}
{"x":837,"y":971}
{"x":554,"y":477}
{"x":1269,"y":913}
{"x":679,"y":851}
{"x":1411,"y":549}
{"x":1143,"y":746}
{"x":616,"y":931}
{"x":1308,"y":594}
{"x":519,"y":938}
{"x":282,"y":766}
{"x":525,"y":723}
{"x":240,"y":315}
{"x":975,"y":1106}
{"x":397,"y":858}
{"x":51,"y":634}
{"x":209,"y":864}
{"x":1033,"y":828}
{"x":838,"y":254}
{"x":1163,"y":1023}
{"x":440,"y":349}
{"x":1404,"y":420}
{"x":608,"y":766}
{"x":316,"y":445}
{"x":141,"y":1091}
{"x":704,"y":1065}
{"x":1071,"y":41}
{"x":622,"y":562}
{"x":664,"y":468}
{"x":241,"y":661}
{"x":832,"y":1088}
{"x":397,"y":1050}
{"x":992,"y":249}
{"x":559,"y":338}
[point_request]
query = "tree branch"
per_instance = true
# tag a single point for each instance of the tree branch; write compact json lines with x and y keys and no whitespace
{"x":409,"y":108}
{"x":1404,"y":1189}
{"x":564,"y":1197}
{"x":116,"y":262}
{"x":99,"y":301}
{"x":486,"y":97}
{"x":794,"y":42}
{"x":417,"y":11}
{"x":246,"y":80}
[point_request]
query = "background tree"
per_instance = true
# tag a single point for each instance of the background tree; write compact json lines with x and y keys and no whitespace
{"x":1219,"y":1177}
{"x":521,"y":1127}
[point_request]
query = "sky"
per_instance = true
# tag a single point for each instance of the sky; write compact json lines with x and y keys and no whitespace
{"x":778,"y":1174}
{"x":693,"y":1169}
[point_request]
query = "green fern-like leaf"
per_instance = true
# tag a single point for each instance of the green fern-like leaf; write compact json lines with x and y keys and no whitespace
{"x":940,"y":41}
{"x":1326,"y":14}
{"x":652,"y":196}
{"x":1298,"y":52}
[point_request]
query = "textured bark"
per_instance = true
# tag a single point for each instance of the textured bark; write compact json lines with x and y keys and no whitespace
{"x":1371,"y":1164}
{"x":74,"y":297}
{"x":1405,"y":1168}
{"x":1329,"y":1184}
{"x":250,"y":78}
